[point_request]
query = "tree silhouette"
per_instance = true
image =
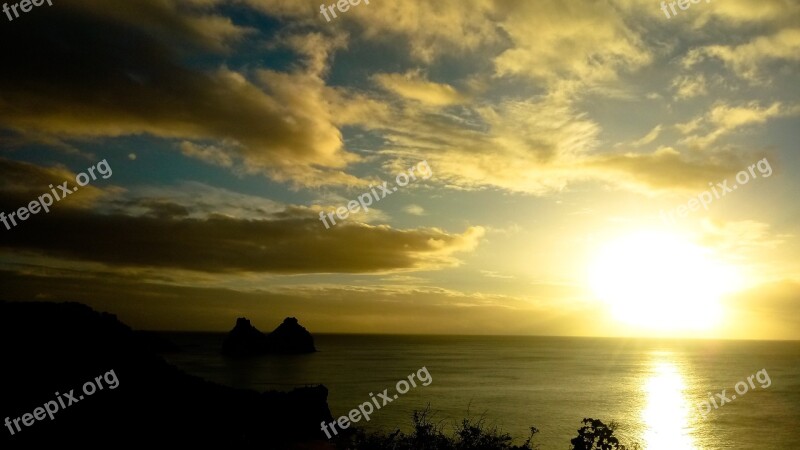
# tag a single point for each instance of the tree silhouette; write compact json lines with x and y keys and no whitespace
{"x":595,"y":435}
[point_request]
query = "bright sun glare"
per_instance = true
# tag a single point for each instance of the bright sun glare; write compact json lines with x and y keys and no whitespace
{"x":660,"y":281}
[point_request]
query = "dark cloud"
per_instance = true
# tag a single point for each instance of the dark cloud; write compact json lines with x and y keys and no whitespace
{"x":109,"y":68}
{"x":226,"y":245}
{"x":21,"y":183}
{"x":159,"y":231}
{"x":162,"y":209}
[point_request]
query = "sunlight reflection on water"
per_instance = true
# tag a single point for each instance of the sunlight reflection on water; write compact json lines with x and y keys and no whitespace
{"x":666,"y":415}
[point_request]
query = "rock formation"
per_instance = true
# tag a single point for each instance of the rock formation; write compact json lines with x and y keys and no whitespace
{"x":246,"y":340}
{"x":291,"y":337}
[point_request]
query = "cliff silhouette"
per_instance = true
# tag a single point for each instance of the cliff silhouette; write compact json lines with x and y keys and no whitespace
{"x":57,"y":347}
{"x":246,"y":340}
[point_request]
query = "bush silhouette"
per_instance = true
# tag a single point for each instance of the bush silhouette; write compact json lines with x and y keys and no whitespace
{"x":595,"y":435}
{"x":471,"y":434}
{"x":468,"y":435}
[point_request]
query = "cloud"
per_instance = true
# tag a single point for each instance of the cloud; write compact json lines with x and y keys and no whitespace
{"x":493,"y":274}
{"x":197,"y":201}
{"x":775,"y":13}
{"x":648,"y":138}
{"x":662,"y":170}
{"x":21,"y":183}
{"x":201,"y":228}
{"x":723,"y":119}
{"x":747,"y":241}
{"x":185,"y":23}
{"x":286,"y":124}
{"x":316,"y":49}
{"x":280,"y":127}
{"x":209,"y":153}
{"x":430,"y":30}
{"x":544,"y":41}
{"x":688,"y":86}
{"x":748,"y":60}
{"x":414,"y":210}
{"x":412,"y":85}
{"x":583,"y":40}
{"x":225,"y":245}
{"x":525,"y":146}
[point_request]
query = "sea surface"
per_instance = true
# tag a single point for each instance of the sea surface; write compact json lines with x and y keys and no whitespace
{"x":653,"y":389}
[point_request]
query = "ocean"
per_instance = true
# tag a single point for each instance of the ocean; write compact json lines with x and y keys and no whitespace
{"x":653,"y":389}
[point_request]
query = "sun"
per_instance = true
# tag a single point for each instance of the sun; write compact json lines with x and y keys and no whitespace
{"x":660,"y":281}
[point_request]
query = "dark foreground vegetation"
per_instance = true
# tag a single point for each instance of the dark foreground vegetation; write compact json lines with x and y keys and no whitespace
{"x":473,"y":434}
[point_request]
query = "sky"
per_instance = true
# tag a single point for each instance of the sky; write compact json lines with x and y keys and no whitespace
{"x":575,"y":165}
